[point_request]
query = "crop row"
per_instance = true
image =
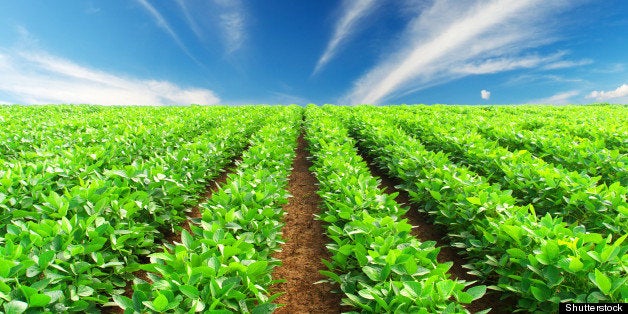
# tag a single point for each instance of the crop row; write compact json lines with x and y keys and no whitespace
{"x":603,"y":125}
{"x":378,"y":265}
{"x":573,"y":152}
{"x":225,"y":263}
{"x":70,"y":251}
{"x":540,"y":260}
{"x":52,"y":131}
{"x":550,"y":189}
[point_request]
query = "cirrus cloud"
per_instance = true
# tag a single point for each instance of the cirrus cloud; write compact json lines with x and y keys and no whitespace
{"x":41,"y":78}
{"x":353,"y":11}
{"x":452,"y":39}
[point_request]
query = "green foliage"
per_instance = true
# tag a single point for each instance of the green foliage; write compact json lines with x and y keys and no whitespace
{"x":378,"y":265}
{"x":225,"y":264}
{"x":535,"y":196}
{"x":541,"y":260}
{"x":91,"y":193}
{"x":579,"y":198}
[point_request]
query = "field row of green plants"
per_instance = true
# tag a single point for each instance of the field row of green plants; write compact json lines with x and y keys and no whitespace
{"x":602,"y":156}
{"x":605,"y":125}
{"x":92,"y":197}
{"x":79,"y":220}
{"x":224,"y":265}
{"x":531,"y":251}
{"x":378,"y":265}
{"x":574,"y":195}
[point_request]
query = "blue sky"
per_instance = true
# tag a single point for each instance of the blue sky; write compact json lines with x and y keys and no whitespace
{"x":150,"y":52}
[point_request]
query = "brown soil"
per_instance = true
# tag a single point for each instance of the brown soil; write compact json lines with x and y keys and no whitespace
{"x":304,"y":247}
{"x":424,"y":230}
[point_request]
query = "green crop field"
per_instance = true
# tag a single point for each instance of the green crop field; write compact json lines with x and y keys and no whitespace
{"x":183,"y":209}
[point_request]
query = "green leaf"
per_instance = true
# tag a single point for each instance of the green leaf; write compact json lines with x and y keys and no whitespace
{"x":84,"y":291}
{"x":371,"y":272}
{"x":540,"y":293}
{"x":121,"y":173}
{"x":513,"y":231}
{"x":436,"y":195}
{"x":331,"y":275}
{"x":445,"y":288}
{"x":265,"y":308}
{"x":477,"y":291}
{"x":411,"y":266}
{"x":187,"y":239}
{"x":256,"y":268}
{"x":39,"y":300}
{"x":15,"y":307}
{"x":517,"y":253}
{"x":575,"y":265}
{"x":122,"y":301}
{"x":474,"y":200}
{"x":160,"y":303}
{"x":28,"y":291}
{"x":552,"y":275}
{"x":45,"y":258}
{"x":602,"y":282}
{"x":189,"y":291}
{"x":551,"y":250}
{"x":5,"y":267}
{"x":4,"y":288}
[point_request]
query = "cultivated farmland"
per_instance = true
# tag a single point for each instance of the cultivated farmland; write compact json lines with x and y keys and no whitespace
{"x":413,"y":209}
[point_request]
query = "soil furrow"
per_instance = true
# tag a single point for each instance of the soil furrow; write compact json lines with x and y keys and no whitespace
{"x":304,"y":247}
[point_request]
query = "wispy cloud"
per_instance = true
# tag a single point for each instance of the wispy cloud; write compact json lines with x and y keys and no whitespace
{"x":189,"y":19}
{"x":165,"y":26}
{"x":562,"y":98}
{"x":233,"y":23}
{"x":227,"y":16}
{"x":541,"y":78}
{"x":40,"y":78}
{"x":452,"y":39}
{"x":353,"y":12}
{"x":620,"y":93}
{"x":610,"y":69}
{"x":501,"y":64}
{"x":567,"y":64}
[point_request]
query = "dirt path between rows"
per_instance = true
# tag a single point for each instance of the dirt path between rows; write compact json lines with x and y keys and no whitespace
{"x":304,"y":247}
{"x":424,"y":230}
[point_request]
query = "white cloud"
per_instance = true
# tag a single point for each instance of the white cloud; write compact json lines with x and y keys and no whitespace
{"x":541,"y":79}
{"x":562,"y":98}
{"x":567,"y":64}
{"x":611,"y":68}
{"x":485,"y":94}
{"x":189,"y":19}
{"x":452,"y":39}
{"x":229,"y":17}
{"x":233,"y":23}
{"x":501,"y":64}
{"x":40,"y":78}
{"x":353,"y":12}
{"x":619,"y":93}
{"x":164,"y":25}
{"x":233,"y":26}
